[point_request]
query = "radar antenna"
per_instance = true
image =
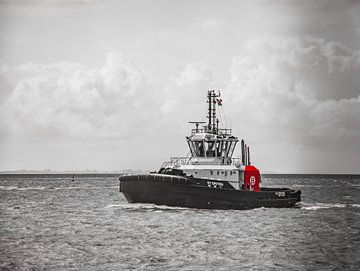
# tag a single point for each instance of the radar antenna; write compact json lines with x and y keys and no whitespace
{"x":197,"y":124}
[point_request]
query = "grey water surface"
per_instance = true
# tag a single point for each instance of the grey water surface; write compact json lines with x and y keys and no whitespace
{"x":48,"y":222}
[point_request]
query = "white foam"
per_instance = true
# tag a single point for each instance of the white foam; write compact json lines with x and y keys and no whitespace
{"x":307,"y":185}
{"x":144,"y":206}
{"x":319,"y":205}
{"x":11,"y":187}
{"x":113,"y":206}
{"x":260,"y":208}
{"x":83,"y":187}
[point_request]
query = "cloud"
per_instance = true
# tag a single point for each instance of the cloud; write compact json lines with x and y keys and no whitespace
{"x":288,"y":97}
{"x":322,"y":64}
{"x":116,"y":104}
{"x":187,"y":89}
{"x":297,"y":92}
{"x":194,"y":74}
{"x":56,"y":2}
{"x":72,"y":100}
{"x":115,"y":111}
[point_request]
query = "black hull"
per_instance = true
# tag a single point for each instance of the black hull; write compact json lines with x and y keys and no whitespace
{"x":195,"y":193}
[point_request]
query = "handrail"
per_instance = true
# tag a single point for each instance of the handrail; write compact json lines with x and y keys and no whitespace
{"x":178,"y":161}
{"x":174,"y":161}
{"x":206,"y":130}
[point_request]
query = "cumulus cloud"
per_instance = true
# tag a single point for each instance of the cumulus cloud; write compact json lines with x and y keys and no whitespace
{"x":72,"y":100}
{"x":283,"y":93}
{"x":194,"y":74}
{"x":297,"y":92}
{"x":115,"y":110}
{"x":187,"y":88}
{"x":310,"y":84}
{"x":116,"y":104}
{"x":54,"y":2}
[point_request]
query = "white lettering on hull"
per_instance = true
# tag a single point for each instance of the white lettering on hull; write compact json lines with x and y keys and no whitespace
{"x":215,"y":184}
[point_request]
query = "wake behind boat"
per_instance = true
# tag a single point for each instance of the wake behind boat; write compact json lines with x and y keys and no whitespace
{"x":210,"y":177}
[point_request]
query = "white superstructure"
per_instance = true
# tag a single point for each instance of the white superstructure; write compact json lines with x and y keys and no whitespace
{"x":211,"y":151}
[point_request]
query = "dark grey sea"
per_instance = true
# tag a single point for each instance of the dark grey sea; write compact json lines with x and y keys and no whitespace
{"x":48,"y":222}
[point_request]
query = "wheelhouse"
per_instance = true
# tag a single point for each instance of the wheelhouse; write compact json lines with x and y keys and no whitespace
{"x":210,"y":145}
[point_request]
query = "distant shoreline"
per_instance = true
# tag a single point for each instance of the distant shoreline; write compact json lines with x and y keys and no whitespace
{"x":68,"y":172}
{"x":116,"y":173}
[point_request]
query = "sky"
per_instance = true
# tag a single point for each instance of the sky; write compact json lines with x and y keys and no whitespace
{"x":109,"y":85}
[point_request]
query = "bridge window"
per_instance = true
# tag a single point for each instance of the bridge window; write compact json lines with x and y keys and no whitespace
{"x":191,"y":147}
{"x":199,"y":149}
{"x":210,"y":148}
{"x":218,"y":148}
{"x":230,"y":149}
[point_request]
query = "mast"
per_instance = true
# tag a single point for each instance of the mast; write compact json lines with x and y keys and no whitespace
{"x":214,"y":115}
{"x":212,"y":124}
{"x":210,"y":140}
{"x":209,"y":110}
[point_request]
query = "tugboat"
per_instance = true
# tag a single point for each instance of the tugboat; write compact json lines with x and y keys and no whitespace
{"x":209,"y":178}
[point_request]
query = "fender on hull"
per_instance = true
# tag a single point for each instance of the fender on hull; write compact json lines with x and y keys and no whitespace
{"x":183,"y":192}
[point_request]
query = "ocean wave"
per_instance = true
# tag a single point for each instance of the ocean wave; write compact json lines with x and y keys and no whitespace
{"x":83,"y":187}
{"x":143,"y":207}
{"x":12,"y":188}
{"x":113,"y":206}
{"x":260,"y":208}
{"x":307,"y":185}
{"x":317,"y":206}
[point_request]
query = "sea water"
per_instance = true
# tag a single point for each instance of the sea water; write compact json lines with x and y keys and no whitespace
{"x":49,"y":222}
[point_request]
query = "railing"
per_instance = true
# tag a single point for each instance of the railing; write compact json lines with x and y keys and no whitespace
{"x":206,"y":130}
{"x":178,"y":161}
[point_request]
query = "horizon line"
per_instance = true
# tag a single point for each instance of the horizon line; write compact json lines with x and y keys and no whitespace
{"x":95,"y":171}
